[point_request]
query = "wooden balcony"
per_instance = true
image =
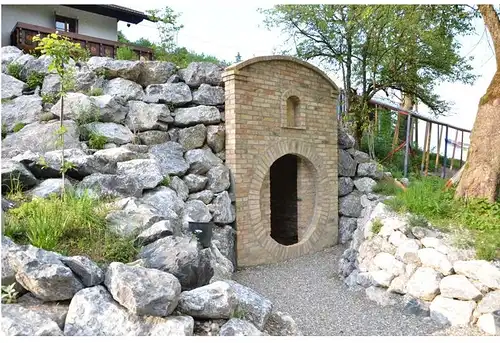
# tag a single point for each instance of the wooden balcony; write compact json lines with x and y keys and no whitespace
{"x":23,"y":33}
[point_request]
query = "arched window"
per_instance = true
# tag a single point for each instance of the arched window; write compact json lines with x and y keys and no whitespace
{"x":292,"y":111}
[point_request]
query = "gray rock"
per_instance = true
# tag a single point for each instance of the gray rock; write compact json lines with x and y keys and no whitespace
{"x":153,"y":137}
{"x":224,"y":238}
{"x":489,"y":303}
{"x":55,"y":311}
{"x":201,"y":161}
{"x":19,"y":321}
{"x":216,"y":137}
{"x":125,"y":89}
{"x":365,"y":184}
{"x":8,"y":54}
{"x":196,"y":115}
{"x":198,"y":73}
{"x":369,"y":169}
{"x":345,"y":140}
{"x":11,"y":87}
{"x":21,"y":61}
{"x":77,"y":106}
{"x":170,"y":158}
{"x":164,"y":200}
{"x":459,"y":287}
{"x":9,"y":265}
{"x":177,"y":94}
{"x":359,"y":156}
{"x":281,"y":324}
{"x":424,"y":284}
{"x":433,"y":258}
{"x":416,"y":307}
{"x":93,"y":312}
{"x":195,"y":183}
{"x":214,"y":301}
{"x":130,"y":70}
{"x":222,"y":209}
{"x":347,"y":165}
{"x":143,"y":117}
{"x":25,"y":109}
{"x":111,"y":109}
{"x":49,"y":187}
{"x":130,"y":221}
{"x":156,"y":72}
{"x":193,"y":137}
{"x":14,"y":173}
{"x":218,"y":179}
{"x":87,"y":271}
{"x":83,"y":164}
{"x":350,"y":205}
{"x":48,"y":281}
{"x":346,"y":268}
{"x":223,"y":268}
{"x":206,"y":196}
{"x":254,"y":307}
{"x":174,"y":134}
{"x":157,"y":231}
{"x":143,"y":291}
{"x":118,"y":154}
{"x":114,"y":133}
{"x":146,"y":171}
{"x":239,"y":327}
{"x":195,"y":211}
{"x":180,"y":188}
{"x":347,"y":226}
{"x":452,"y":312}
{"x":181,"y":257}
{"x":51,"y":85}
{"x":174,"y":79}
{"x":111,"y":185}
{"x":381,"y":296}
{"x":86,"y":79}
{"x":345,"y":186}
{"x":480,"y":270}
{"x":39,"y":65}
{"x":209,"y":95}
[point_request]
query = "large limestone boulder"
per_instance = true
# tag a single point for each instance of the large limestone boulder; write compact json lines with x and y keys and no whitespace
{"x":130,"y":70}
{"x":38,"y":65}
{"x":14,"y":173}
{"x":345,"y":140}
{"x":345,"y":186}
{"x":111,"y":185}
{"x":177,"y":94}
{"x":432,"y":258}
{"x":77,"y":106}
{"x":11,"y":87}
{"x":350,"y":205}
{"x":143,"y":117}
{"x":146,"y":171}
{"x":193,"y":137}
{"x":25,"y":109}
{"x":424,"y":284}
{"x":143,"y":291}
{"x":164,"y":200}
{"x":114,"y":133}
{"x":239,"y":327}
{"x":459,"y":287}
{"x":224,"y":238}
{"x":125,"y":89}
{"x":479,"y":270}
{"x":281,"y":324}
{"x":347,"y":165}
{"x":161,"y":229}
{"x":156,"y":72}
{"x":452,"y":312}
{"x":110,"y":108}
{"x":195,"y":211}
{"x":198,"y":73}
{"x":55,"y":311}
{"x":218,"y":179}
{"x":254,"y":307}
{"x":222,"y":210}
{"x":209,"y":95}
{"x":201,"y":114}
{"x":50,"y":186}
{"x":170,"y":157}
{"x":8,"y":54}
{"x":89,"y":273}
{"x":201,"y":161}
{"x":19,"y":321}
{"x":195,"y":183}
{"x":216,"y":137}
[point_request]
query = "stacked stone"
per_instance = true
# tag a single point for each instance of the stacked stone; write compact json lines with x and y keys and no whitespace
{"x":357,"y":177}
{"x":163,"y":294}
{"x":419,"y":268}
{"x":165,"y":133}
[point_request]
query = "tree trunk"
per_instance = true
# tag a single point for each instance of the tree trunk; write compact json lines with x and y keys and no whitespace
{"x":481,"y":177}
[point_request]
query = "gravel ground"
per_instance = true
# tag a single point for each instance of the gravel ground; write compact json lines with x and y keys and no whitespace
{"x":309,"y":289}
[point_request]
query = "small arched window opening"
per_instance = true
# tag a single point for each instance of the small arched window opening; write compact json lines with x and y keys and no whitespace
{"x":292,"y":111}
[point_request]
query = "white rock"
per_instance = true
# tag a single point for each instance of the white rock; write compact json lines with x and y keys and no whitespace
{"x":452,"y":312}
{"x":490,"y":302}
{"x":487,"y":323}
{"x":459,"y":287}
{"x":407,"y":251}
{"x":432,"y":258}
{"x":213,"y":301}
{"x":397,"y":238}
{"x":391,"y":225}
{"x":381,"y":278}
{"x":398,"y":285}
{"x":480,"y":270}
{"x":389,"y":263}
{"x":424,"y":283}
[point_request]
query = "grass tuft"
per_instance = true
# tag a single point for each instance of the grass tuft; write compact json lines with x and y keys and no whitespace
{"x":377,"y":226}
{"x":386,"y":187}
{"x":97,"y":141}
{"x":18,"y":127}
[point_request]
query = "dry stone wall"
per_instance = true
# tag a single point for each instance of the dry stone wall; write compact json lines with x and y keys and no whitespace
{"x":163,"y":161}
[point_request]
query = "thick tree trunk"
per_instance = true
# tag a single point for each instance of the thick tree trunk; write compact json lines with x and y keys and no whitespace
{"x":481,"y":177}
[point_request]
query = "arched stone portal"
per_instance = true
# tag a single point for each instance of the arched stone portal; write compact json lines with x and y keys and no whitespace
{"x":281,"y":146}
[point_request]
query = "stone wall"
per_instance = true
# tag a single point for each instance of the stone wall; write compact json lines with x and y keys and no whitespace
{"x":276,"y":106}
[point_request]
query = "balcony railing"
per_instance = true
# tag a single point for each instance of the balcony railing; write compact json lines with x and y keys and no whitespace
{"x":23,"y":33}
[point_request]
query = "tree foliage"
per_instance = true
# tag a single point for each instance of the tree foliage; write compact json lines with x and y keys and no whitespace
{"x":408,"y":48}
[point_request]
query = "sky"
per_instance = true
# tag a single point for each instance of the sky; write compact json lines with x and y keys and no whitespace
{"x":223,"y":29}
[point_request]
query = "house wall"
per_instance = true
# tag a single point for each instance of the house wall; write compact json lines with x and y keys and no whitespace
{"x":258,"y":133}
{"x":89,"y":24}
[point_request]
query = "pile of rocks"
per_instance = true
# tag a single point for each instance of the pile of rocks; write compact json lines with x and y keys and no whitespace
{"x":165,"y":133}
{"x":167,"y":292}
{"x":418,"y":268}
{"x":358,"y":174}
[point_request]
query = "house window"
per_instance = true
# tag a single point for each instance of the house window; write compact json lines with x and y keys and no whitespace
{"x":66,"y":24}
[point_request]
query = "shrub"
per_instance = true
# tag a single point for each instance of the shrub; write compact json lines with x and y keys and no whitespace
{"x":377,"y":226}
{"x":87,"y":115}
{"x":18,"y":127}
{"x":125,"y":53}
{"x":9,"y":294}
{"x":97,"y":141}
{"x":417,"y":221}
{"x":71,"y":225}
{"x":35,"y":79}
{"x":14,"y":70}
{"x":49,"y":98}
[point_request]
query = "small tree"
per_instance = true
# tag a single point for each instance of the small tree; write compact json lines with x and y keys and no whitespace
{"x":62,"y":50}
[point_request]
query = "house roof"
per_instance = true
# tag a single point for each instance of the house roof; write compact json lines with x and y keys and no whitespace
{"x":119,"y":12}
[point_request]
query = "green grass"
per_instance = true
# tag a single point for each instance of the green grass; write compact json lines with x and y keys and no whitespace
{"x":35,"y":79}
{"x":377,"y":226}
{"x":125,"y":53}
{"x":71,"y":225}
{"x":49,"y":98}
{"x":166,"y":181}
{"x":386,"y":187}
{"x":97,"y":141}
{"x":426,"y":198}
{"x":95,"y":92}
{"x":14,"y":70}
{"x":18,"y":127}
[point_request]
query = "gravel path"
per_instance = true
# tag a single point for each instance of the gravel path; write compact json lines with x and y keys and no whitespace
{"x":310,"y":291}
